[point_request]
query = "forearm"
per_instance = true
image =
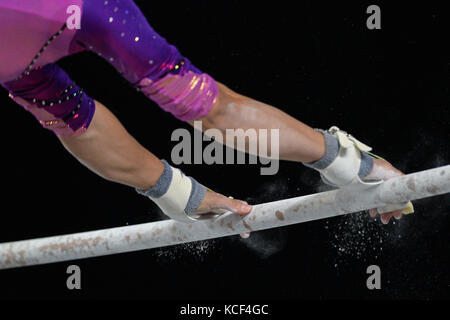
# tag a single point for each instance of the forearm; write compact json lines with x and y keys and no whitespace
{"x":109,"y":150}
{"x":297,"y":141}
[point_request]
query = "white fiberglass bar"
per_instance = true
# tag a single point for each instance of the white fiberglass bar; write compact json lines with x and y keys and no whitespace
{"x":264,"y":216}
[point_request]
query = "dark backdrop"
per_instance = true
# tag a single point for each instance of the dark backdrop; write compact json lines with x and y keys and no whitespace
{"x":315,"y":60}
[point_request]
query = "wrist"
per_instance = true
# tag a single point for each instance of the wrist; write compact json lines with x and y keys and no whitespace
{"x":334,"y":149}
{"x":147,"y":176}
{"x":177,"y":195}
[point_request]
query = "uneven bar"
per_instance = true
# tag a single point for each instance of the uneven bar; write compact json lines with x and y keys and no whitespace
{"x":413,"y":186}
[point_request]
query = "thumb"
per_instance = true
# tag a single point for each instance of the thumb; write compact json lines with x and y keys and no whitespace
{"x":237,"y":206}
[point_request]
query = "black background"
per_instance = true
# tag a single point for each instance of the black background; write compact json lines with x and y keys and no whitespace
{"x":315,"y":60}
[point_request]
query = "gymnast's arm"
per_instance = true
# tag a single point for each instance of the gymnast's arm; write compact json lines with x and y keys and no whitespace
{"x":109,"y":150}
{"x":297,"y":141}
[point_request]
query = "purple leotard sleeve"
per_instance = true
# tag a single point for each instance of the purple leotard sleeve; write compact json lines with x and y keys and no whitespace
{"x":119,"y":32}
{"x":115,"y":30}
{"x":54,"y":99}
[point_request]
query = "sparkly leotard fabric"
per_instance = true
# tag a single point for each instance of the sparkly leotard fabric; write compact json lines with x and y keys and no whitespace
{"x":34,"y":38}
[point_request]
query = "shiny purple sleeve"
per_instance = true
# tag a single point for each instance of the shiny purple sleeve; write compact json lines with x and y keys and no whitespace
{"x":57,"y":102}
{"x":120,"y":33}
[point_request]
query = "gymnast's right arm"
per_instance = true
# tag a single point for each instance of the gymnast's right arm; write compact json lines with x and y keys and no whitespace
{"x":109,"y":150}
{"x":102,"y":144}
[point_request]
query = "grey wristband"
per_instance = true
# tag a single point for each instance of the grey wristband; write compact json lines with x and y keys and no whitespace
{"x":196,"y":196}
{"x":161,"y":186}
{"x":198,"y":192}
{"x":366,"y":165}
{"x":332,"y":151}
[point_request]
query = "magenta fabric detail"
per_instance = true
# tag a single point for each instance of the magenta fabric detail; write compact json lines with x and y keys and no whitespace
{"x":115,"y":30}
{"x":25,"y":26}
{"x":49,"y":84}
{"x":187,"y":96}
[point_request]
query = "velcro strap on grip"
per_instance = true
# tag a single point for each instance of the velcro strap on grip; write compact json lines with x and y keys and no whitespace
{"x":343,"y":171}
{"x":173,"y":203}
{"x":177,"y":195}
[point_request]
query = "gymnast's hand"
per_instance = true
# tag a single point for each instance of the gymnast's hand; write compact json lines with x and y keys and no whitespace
{"x":383,"y":170}
{"x":217,"y":203}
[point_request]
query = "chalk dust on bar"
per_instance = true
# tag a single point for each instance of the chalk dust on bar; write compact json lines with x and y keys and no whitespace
{"x":198,"y":251}
{"x":266,"y":243}
{"x":356,"y":236}
{"x":359,"y":236}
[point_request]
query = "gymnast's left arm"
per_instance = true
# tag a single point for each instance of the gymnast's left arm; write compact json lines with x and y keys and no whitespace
{"x":340,"y":158}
